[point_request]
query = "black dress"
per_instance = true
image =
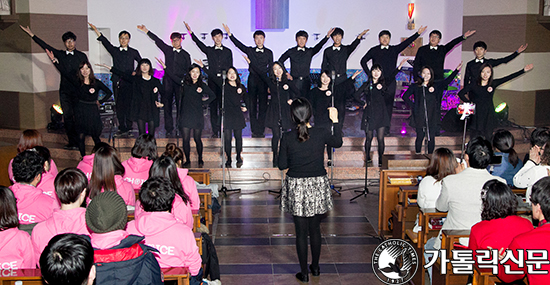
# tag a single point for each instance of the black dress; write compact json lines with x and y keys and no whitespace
{"x":433,"y":95}
{"x":193,"y":97}
{"x":88,"y":120}
{"x":484,"y":119}
{"x":320,"y":101}
{"x":233,"y":101}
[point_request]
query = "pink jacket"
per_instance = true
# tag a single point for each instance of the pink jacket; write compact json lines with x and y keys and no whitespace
{"x":190,"y":188}
{"x":53,"y":170}
{"x":124,"y":189}
{"x":108,"y":240}
{"x":47,"y":186}
{"x":181,"y":211}
{"x":87,"y":165}
{"x":16,"y":251}
{"x":175,"y":242}
{"x":136,"y":171}
{"x":33,"y":206}
{"x":61,"y":222}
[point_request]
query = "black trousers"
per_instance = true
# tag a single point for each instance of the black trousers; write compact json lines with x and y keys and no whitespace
{"x":68,"y":100}
{"x":123,"y":100}
{"x":257,"y":104}
{"x":303,"y":84}
{"x":215,"y":108}
{"x":171,"y":94}
{"x":420,"y":133}
{"x":392,"y":86}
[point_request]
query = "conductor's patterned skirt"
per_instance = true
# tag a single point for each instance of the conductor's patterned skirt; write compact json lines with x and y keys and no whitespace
{"x":306,"y":196}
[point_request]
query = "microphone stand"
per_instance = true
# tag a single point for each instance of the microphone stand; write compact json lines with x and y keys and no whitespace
{"x":428,"y":139}
{"x":332,"y":158}
{"x":280,"y":124}
{"x":222,"y":137}
{"x":365,"y":190}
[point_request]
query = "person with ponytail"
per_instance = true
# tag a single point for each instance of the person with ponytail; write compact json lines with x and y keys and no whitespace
{"x":503,"y":144}
{"x":306,"y":192}
{"x":107,"y":175}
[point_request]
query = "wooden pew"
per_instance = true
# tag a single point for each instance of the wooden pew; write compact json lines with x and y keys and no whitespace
{"x":389,"y":186}
{"x":448,"y":240}
{"x":205,"y":197}
{"x":200,"y":175}
{"x":404,"y":215}
{"x":34,"y":277}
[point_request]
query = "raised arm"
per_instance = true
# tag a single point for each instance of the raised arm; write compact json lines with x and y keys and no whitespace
{"x":404,"y":44}
{"x":104,"y":41}
{"x":64,"y":72}
{"x":450,"y":45}
{"x":407,"y":96}
{"x":168,"y":72}
{"x":160,"y":44}
{"x":505,"y":79}
{"x":198,"y":42}
{"x":39,"y":41}
{"x":317,"y":48}
{"x":211,"y":74}
{"x":499,"y":61}
{"x":235,"y":41}
{"x":396,"y":71}
{"x":364,"y":60}
{"x":451,"y":77}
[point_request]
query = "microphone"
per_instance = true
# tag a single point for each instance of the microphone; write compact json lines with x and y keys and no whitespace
{"x":333,"y":75}
{"x":224,"y":74}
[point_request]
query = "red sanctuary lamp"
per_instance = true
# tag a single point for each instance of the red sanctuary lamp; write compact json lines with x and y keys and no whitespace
{"x":411,"y":25}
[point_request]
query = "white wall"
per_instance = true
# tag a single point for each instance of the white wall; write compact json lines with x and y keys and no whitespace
{"x":314,"y":16}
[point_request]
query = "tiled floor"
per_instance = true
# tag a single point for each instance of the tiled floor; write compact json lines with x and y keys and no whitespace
{"x":256,"y":245}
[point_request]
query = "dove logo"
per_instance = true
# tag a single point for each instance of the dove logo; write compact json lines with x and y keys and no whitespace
{"x":394,"y":261}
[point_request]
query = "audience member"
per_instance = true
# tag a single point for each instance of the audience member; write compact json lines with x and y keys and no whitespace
{"x":87,"y":162}
{"x":28,"y":140}
{"x":442,"y":163}
{"x":503,"y":142}
{"x":143,"y":154}
{"x":538,"y":165}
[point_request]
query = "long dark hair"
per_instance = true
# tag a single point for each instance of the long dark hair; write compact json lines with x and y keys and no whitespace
{"x":106,"y":166}
{"x":381,"y":80}
{"x":327,"y":73}
{"x":301,"y":113}
{"x":498,"y":201}
{"x":272,"y":74}
{"x":431,"y":81}
{"x":138,"y":68}
{"x":187,"y":80}
{"x":237,"y":80}
{"x":442,"y":164}
{"x":91,"y":77}
{"x":479,"y":79}
{"x":145,"y":146}
{"x":174,"y":152}
{"x":504,"y":141}
{"x":164,"y":166}
{"x":8,"y":209}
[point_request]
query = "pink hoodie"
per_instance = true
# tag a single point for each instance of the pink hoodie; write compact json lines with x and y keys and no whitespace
{"x":190,"y":188}
{"x":16,"y":251}
{"x":108,"y":240}
{"x":33,"y":206}
{"x":174,"y":240}
{"x":124,"y":189}
{"x":87,"y":165}
{"x":136,"y":171}
{"x":53,"y":170}
{"x":61,"y":222}
{"x":47,"y":186}
{"x":181,"y":211}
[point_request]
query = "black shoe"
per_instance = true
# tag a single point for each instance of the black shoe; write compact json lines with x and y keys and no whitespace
{"x":201,"y":163}
{"x":228,"y":163}
{"x":315,"y":272}
{"x":301,"y":277}
{"x":187,"y":164}
{"x":258,"y":135}
{"x":329,"y":162}
{"x":70,"y":147}
{"x":239,"y":162}
{"x":215,"y":136}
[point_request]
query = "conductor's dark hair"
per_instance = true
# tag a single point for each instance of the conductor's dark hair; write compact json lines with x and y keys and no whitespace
{"x":479,"y":153}
{"x":384,"y":32}
{"x":68,"y":36}
{"x":442,"y":163}
{"x":138,"y":68}
{"x":8,"y":209}
{"x":284,"y":78}
{"x":302,"y":33}
{"x":498,"y":201}
{"x":258,"y":33}
{"x":124,"y":32}
{"x":540,"y":195}
{"x":188,"y":80}
{"x":157,"y":194}
{"x":27,"y":165}
{"x":480,"y":44}
{"x":69,"y":184}
{"x":337,"y":31}
{"x":479,"y":79}
{"x":504,"y":141}
{"x":67,"y":259}
{"x":145,"y":147}
{"x":540,"y":136}
{"x":301,"y":113}
{"x":379,"y":67}
{"x":435,"y":32}
{"x":175,"y":35}
{"x":431,"y":81}
{"x":216,"y":32}
{"x":164,"y":166}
